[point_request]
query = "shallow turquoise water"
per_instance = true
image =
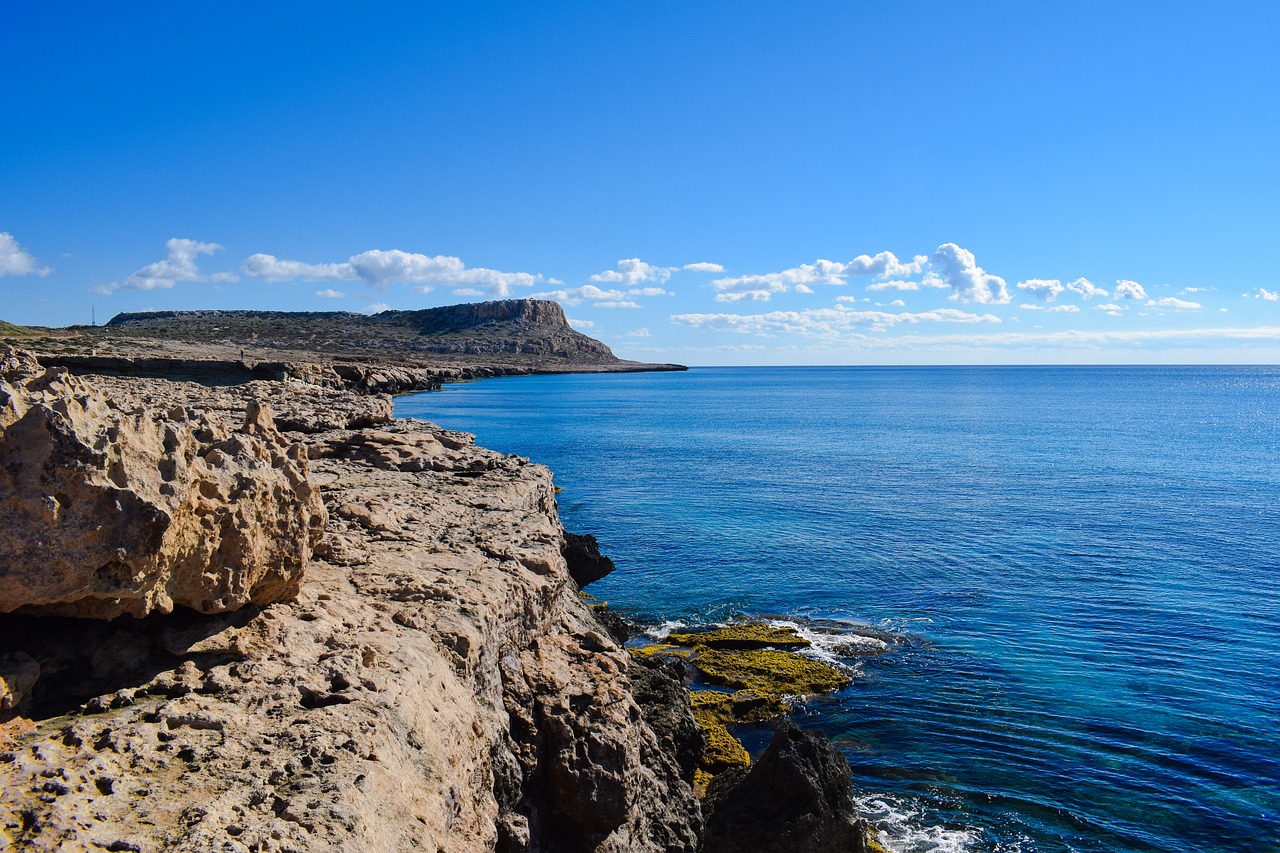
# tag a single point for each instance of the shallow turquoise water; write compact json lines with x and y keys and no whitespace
{"x":1079,"y":567}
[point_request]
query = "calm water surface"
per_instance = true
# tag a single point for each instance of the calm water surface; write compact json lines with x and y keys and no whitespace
{"x":1078,"y":567}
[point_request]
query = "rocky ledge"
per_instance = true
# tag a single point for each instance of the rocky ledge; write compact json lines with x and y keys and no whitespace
{"x":268,"y":617}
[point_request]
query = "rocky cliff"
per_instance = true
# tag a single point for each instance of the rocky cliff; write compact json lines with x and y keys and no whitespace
{"x":528,"y":328}
{"x":436,"y":683}
{"x":265,"y":616}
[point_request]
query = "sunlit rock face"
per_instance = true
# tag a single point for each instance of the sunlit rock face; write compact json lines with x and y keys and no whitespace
{"x":113,"y":506}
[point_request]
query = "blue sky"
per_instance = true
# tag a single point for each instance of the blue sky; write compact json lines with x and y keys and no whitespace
{"x":711,"y":183}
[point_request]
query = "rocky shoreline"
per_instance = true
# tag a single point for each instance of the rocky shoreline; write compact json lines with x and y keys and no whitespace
{"x":263,"y":615}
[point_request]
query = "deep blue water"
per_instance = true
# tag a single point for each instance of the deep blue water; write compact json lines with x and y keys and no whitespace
{"x":1080,"y":566}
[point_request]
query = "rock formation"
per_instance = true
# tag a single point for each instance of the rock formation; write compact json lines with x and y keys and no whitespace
{"x":798,"y":798}
{"x":436,"y":683}
{"x":113,"y":509}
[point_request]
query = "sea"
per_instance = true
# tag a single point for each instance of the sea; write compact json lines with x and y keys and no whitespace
{"x":1057,"y":588}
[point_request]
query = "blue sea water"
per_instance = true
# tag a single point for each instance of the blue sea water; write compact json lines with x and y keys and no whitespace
{"x":1077,"y":571}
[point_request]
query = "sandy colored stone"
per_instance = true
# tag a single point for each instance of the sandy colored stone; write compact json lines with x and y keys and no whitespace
{"x":436,"y":685}
{"x":116,"y":508}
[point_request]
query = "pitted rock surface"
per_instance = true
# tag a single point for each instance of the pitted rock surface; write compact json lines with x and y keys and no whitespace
{"x":437,"y":684}
{"x":115,"y":507}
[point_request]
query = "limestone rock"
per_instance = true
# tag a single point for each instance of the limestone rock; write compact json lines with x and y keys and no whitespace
{"x":438,"y":684}
{"x":798,"y":798}
{"x":112,"y":509}
{"x":586,"y":563}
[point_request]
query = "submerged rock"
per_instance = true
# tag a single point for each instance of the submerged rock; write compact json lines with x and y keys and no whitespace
{"x":112,"y":509}
{"x":798,"y":798}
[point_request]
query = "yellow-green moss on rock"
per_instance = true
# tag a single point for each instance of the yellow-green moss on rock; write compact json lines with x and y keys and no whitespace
{"x":748,"y":636}
{"x":768,"y":672}
{"x":713,"y":714}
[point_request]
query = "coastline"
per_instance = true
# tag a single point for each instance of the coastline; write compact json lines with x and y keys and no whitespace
{"x":436,"y":679}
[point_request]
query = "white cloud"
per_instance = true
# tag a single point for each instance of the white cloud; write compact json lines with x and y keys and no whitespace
{"x":897,"y":303}
{"x":1044,"y":289}
{"x":1087,"y":289}
{"x":823,"y":322}
{"x":648,"y":291}
{"x":623,"y":303}
{"x":1129,"y":290}
{"x":377,"y":308}
{"x":179,"y":266}
{"x":761,"y":287}
{"x":1189,"y":290}
{"x":638,"y":333}
{"x":271,"y":268}
{"x":379,"y":268}
{"x":804,"y":288}
{"x":578,"y":295}
{"x":894,"y":284}
{"x":330,"y":293}
{"x":885,"y":264}
{"x":704,"y":267}
{"x":14,"y":260}
{"x":1171,"y":302}
{"x":1111,"y":308}
{"x":633,"y":271}
{"x":1066,"y":309}
{"x":1267,"y":295}
{"x":969,"y":282}
{"x":580,"y":324}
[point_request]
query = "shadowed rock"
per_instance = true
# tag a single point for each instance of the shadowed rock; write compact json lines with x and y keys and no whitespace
{"x":586,"y":563}
{"x":798,"y":798}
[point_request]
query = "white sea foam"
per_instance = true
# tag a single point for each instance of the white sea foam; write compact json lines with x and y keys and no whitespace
{"x":834,"y":646}
{"x":899,"y":827}
{"x":660,"y":632}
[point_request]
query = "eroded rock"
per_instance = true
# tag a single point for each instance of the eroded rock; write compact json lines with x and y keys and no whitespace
{"x":112,"y":509}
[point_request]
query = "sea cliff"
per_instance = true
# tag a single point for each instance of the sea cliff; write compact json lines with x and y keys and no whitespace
{"x":264,"y":615}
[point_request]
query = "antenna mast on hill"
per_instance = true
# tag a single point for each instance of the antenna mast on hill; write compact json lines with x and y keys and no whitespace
{"x":93,"y":314}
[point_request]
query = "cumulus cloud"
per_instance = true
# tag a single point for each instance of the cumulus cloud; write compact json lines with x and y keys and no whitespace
{"x":704,"y":267}
{"x":378,"y":268}
{"x":959,"y":269}
{"x":886,"y":265}
{"x":1111,"y":308}
{"x":578,"y":295}
{"x":648,"y":291}
{"x":377,"y":308}
{"x":180,"y":265}
{"x":1044,"y":289}
{"x":894,"y":284}
{"x":14,"y":260}
{"x":1129,"y":290}
{"x":1054,"y":309}
{"x":762,"y":287}
{"x":633,"y":271}
{"x":621,"y":303}
{"x":638,"y":333}
{"x":823,"y":322}
{"x":1172,"y":302}
{"x":1267,"y":295}
{"x":580,"y":324}
{"x":330,"y":293}
{"x":804,"y":288}
{"x":271,"y":268}
{"x":1087,"y":289}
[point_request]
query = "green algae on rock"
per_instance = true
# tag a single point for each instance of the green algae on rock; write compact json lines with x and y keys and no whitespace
{"x":747,"y":636}
{"x":769,"y":672}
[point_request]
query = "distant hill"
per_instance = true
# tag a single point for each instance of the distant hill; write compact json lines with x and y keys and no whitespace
{"x":515,"y":327}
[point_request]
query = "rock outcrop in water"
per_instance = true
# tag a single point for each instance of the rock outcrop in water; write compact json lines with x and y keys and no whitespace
{"x":798,"y":798}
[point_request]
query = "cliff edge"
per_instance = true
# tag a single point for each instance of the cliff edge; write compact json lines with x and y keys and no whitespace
{"x":436,"y":682}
